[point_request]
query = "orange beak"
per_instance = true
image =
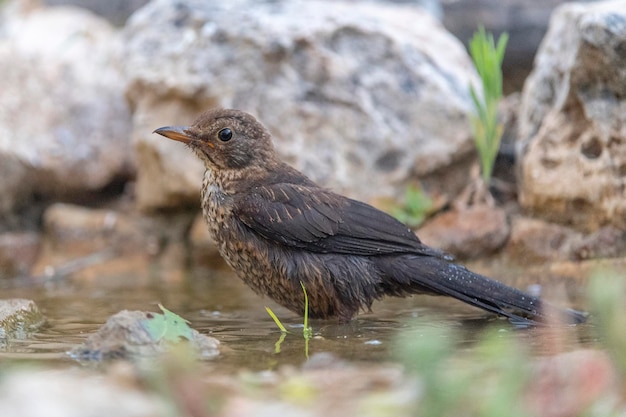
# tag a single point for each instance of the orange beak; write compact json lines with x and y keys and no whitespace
{"x":178,"y":133}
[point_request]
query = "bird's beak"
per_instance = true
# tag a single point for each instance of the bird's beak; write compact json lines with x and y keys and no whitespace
{"x":178,"y":133}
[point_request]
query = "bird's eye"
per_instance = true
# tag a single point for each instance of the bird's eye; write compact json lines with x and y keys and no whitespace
{"x":225,"y":135}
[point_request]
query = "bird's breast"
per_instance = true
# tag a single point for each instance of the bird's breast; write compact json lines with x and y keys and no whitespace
{"x":216,"y":207}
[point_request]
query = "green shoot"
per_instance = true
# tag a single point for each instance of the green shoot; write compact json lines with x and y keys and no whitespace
{"x":416,"y":206}
{"x":276,"y":320}
{"x":606,"y":297}
{"x":487,"y":57}
{"x":307,"y":332}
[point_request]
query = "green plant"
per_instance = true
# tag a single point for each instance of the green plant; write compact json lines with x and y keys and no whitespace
{"x":449,"y":377}
{"x":487,"y":57}
{"x":307,"y":331}
{"x":416,"y":206}
{"x":606,"y":294}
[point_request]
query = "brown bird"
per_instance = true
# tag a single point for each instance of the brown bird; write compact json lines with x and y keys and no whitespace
{"x":276,"y":228}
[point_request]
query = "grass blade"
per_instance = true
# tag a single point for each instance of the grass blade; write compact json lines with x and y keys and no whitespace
{"x":276,"y":320}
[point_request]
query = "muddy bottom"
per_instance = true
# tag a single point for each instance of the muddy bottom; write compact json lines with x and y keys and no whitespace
{"x":218,"y":304}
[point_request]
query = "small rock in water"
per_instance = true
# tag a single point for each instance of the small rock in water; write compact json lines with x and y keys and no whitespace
{"x":126,"y":335}
{"x":18,"y":317}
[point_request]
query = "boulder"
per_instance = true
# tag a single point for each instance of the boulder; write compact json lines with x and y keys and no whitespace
{"x":572,"y":121}
{"x":362,"y":99}
{"x":64,"y":122}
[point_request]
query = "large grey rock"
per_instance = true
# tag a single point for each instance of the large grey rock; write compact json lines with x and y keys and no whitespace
{"x":64,"y":122}
{"x":360,"y":98}
{"x":573,"y":119}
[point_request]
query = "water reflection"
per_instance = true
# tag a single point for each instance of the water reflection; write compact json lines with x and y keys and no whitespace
{"x":218,"y":304}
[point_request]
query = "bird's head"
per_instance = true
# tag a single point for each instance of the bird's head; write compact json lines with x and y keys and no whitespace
{"x":225,"y":139}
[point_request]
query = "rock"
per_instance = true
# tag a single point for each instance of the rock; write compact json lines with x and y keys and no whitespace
{"x":74,"y":229}
{"x":431,"y":6}
{"x":573,"y":121}
{"x":90,"y":244}
{"x":64,"y":121}
{"x":69,"y":393}
{"x":125,"y":335}
{"x":534,"y":240}
{"x":18,"y":317}
{"x":578,"y":273}
{"x":608,"y":242}
{"x":567,"y":383}
{"x":469,"y":233}
{"x":18,"y":253}
{"x":363,"y":99}
{"x":17,"y":184}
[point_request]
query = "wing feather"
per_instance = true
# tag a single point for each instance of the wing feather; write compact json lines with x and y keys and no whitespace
{"x":321,"y":221}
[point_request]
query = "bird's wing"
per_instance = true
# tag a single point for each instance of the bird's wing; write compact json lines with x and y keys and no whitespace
{"x":321,"y":221}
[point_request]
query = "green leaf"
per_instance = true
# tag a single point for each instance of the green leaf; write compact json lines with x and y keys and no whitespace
{"x":487,"y":57}
{"x":167,"y":326}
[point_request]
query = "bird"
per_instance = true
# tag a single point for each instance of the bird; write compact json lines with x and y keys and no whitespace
{"x":279,"y":230}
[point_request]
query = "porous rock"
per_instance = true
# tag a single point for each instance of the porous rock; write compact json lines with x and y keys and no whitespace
{"x":361,"y":99}
{"x":573,"y":119}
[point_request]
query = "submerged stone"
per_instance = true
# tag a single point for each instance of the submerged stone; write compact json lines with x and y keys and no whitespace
{"x":126,"y":336}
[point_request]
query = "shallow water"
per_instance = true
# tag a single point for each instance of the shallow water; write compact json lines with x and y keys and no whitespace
{"x":218,"y":304}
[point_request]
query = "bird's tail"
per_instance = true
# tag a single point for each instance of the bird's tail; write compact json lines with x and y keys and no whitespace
{"x":440,"y":277}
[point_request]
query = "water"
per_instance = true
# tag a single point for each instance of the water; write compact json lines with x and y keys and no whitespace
{"x":218,"y":304}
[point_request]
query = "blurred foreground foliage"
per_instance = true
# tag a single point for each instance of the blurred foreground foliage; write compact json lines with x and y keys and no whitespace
{"x":500,"y":375}
{"x":495,"y":377}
